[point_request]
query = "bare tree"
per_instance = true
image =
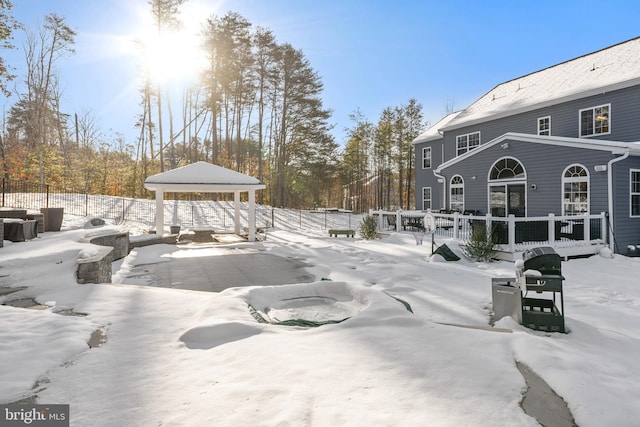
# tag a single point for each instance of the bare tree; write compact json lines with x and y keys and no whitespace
{"x":37,"y":110}
{"x":7,"y":26}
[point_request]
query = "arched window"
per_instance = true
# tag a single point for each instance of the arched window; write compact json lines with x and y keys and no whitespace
{"x":506,"y":168}
{"x":456,"y":201}
{"x":575,"y":190}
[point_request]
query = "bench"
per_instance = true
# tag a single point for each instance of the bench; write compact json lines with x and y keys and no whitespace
{"x":203,"y":235}
{"x":336,"y":233}
{"x":13,"y":213}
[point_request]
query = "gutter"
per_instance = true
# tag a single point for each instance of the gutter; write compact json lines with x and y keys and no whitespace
{"x":610,"y":191}
{"x":444,"y":183}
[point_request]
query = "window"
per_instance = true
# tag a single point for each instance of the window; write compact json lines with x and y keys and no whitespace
{"x":575,"y":191}
{"x":507,"y":188}
{"x":467,"y":142}
{"x":506,"y":168}
{"x":456,"y":200}
{"x":426,"y":158}
{"x":595,"y":121}
{"x":635,"y":191}
{"x":426,"y":198}
{"x":544,"y":125}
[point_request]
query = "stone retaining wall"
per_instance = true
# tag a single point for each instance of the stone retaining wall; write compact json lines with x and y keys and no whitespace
{"x":118,"y":241}
{"x":97,"y":268}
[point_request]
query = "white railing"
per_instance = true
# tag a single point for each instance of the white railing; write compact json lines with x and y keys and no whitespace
{"x":510,"y":234}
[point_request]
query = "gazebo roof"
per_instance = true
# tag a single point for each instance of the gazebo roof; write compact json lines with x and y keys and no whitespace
{"x":202,"y":176}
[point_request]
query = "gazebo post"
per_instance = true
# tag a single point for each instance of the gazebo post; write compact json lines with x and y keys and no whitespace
{"x":252,"y":215}
{"x":236,"y":211}
{"x":159,"y":211}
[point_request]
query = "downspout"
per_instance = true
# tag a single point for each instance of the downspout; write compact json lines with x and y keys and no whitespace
{"x":444,"y":183}
{"x":610,"y":191}
{"x":443,"y":195}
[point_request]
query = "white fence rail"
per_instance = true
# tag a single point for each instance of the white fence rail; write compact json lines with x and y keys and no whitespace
{"x":511,"y":234}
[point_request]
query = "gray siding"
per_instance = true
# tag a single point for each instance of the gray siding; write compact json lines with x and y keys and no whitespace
{"x":625,"y":120}
{"x":544,"y":166}
{"x":425,"y":177}
{"x":627,"y":229}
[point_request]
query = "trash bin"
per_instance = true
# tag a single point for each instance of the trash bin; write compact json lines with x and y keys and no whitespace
{"x":506,"y":298}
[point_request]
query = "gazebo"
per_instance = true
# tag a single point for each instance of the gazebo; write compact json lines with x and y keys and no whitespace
{"x":206,"y":178}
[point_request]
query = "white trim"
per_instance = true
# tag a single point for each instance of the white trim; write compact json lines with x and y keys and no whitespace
{"x":549,"y":129}
{"x":511,"y":179}
{"x":563,"y":180}
{"x":594,"y":121}
{"x":612,"y":225}
{"x":632,"y":193}
{"x":452,"y":186}
{"x":614,"y":147}
{"x":430,"y":198}
{"x":424,"y":150}
{"x":505,"y":183}
{"x":467,"y":135}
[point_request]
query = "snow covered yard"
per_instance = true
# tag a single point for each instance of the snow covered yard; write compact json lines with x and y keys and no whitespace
{"x":175,"y":357}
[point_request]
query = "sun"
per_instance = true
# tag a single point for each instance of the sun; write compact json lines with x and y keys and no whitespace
{"x":170,"y":56}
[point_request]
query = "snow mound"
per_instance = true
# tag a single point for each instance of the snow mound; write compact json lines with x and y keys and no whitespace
{"x":206,"y":337}
{"x":315,"y":304}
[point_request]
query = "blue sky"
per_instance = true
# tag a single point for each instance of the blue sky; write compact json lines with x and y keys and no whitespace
{"x":369,"y":54}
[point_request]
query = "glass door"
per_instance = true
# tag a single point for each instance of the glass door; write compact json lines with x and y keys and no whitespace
{"x":516,"y":200}
{"x":507,"y":199}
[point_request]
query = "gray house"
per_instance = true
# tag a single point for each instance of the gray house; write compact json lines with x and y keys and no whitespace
{"x":559,"y":141}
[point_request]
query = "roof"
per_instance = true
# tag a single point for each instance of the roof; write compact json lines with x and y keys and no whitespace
{"x":614,"y":147}
{"x":202,"y":176}
{"x":612,"y":68}
{"x":433,"y":132}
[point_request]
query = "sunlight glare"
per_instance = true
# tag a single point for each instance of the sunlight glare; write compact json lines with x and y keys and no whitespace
{"x":171,"y":56}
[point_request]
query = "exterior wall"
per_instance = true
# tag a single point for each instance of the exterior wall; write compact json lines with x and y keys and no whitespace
{"x":626,"y":228}
{"x":624,"y":121}
{"x":544,"y":166}
{"x":425,"y":177}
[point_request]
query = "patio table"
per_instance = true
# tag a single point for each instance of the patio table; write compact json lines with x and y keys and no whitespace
{"x":17,"y":230}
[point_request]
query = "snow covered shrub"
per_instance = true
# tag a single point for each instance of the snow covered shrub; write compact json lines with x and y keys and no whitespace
{"x":368,"y":228}
{"x":481,"y":245}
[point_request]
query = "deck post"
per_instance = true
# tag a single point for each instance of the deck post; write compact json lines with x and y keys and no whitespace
{"x":587,"y":227}
{"x":603,"y":226}
{"x":236,"y":212}
{"x":456,"y":221}
{"x":380,"y":218}
{"x":512,"y":231}
{"x":398,"y":219}
{"x":159,"y":211}
{"x":552,"y":229}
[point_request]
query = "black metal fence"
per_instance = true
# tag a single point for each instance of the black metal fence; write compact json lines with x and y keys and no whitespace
{"x":141,"y":212}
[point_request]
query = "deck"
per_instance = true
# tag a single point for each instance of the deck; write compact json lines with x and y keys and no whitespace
{"x":570,"y":236}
